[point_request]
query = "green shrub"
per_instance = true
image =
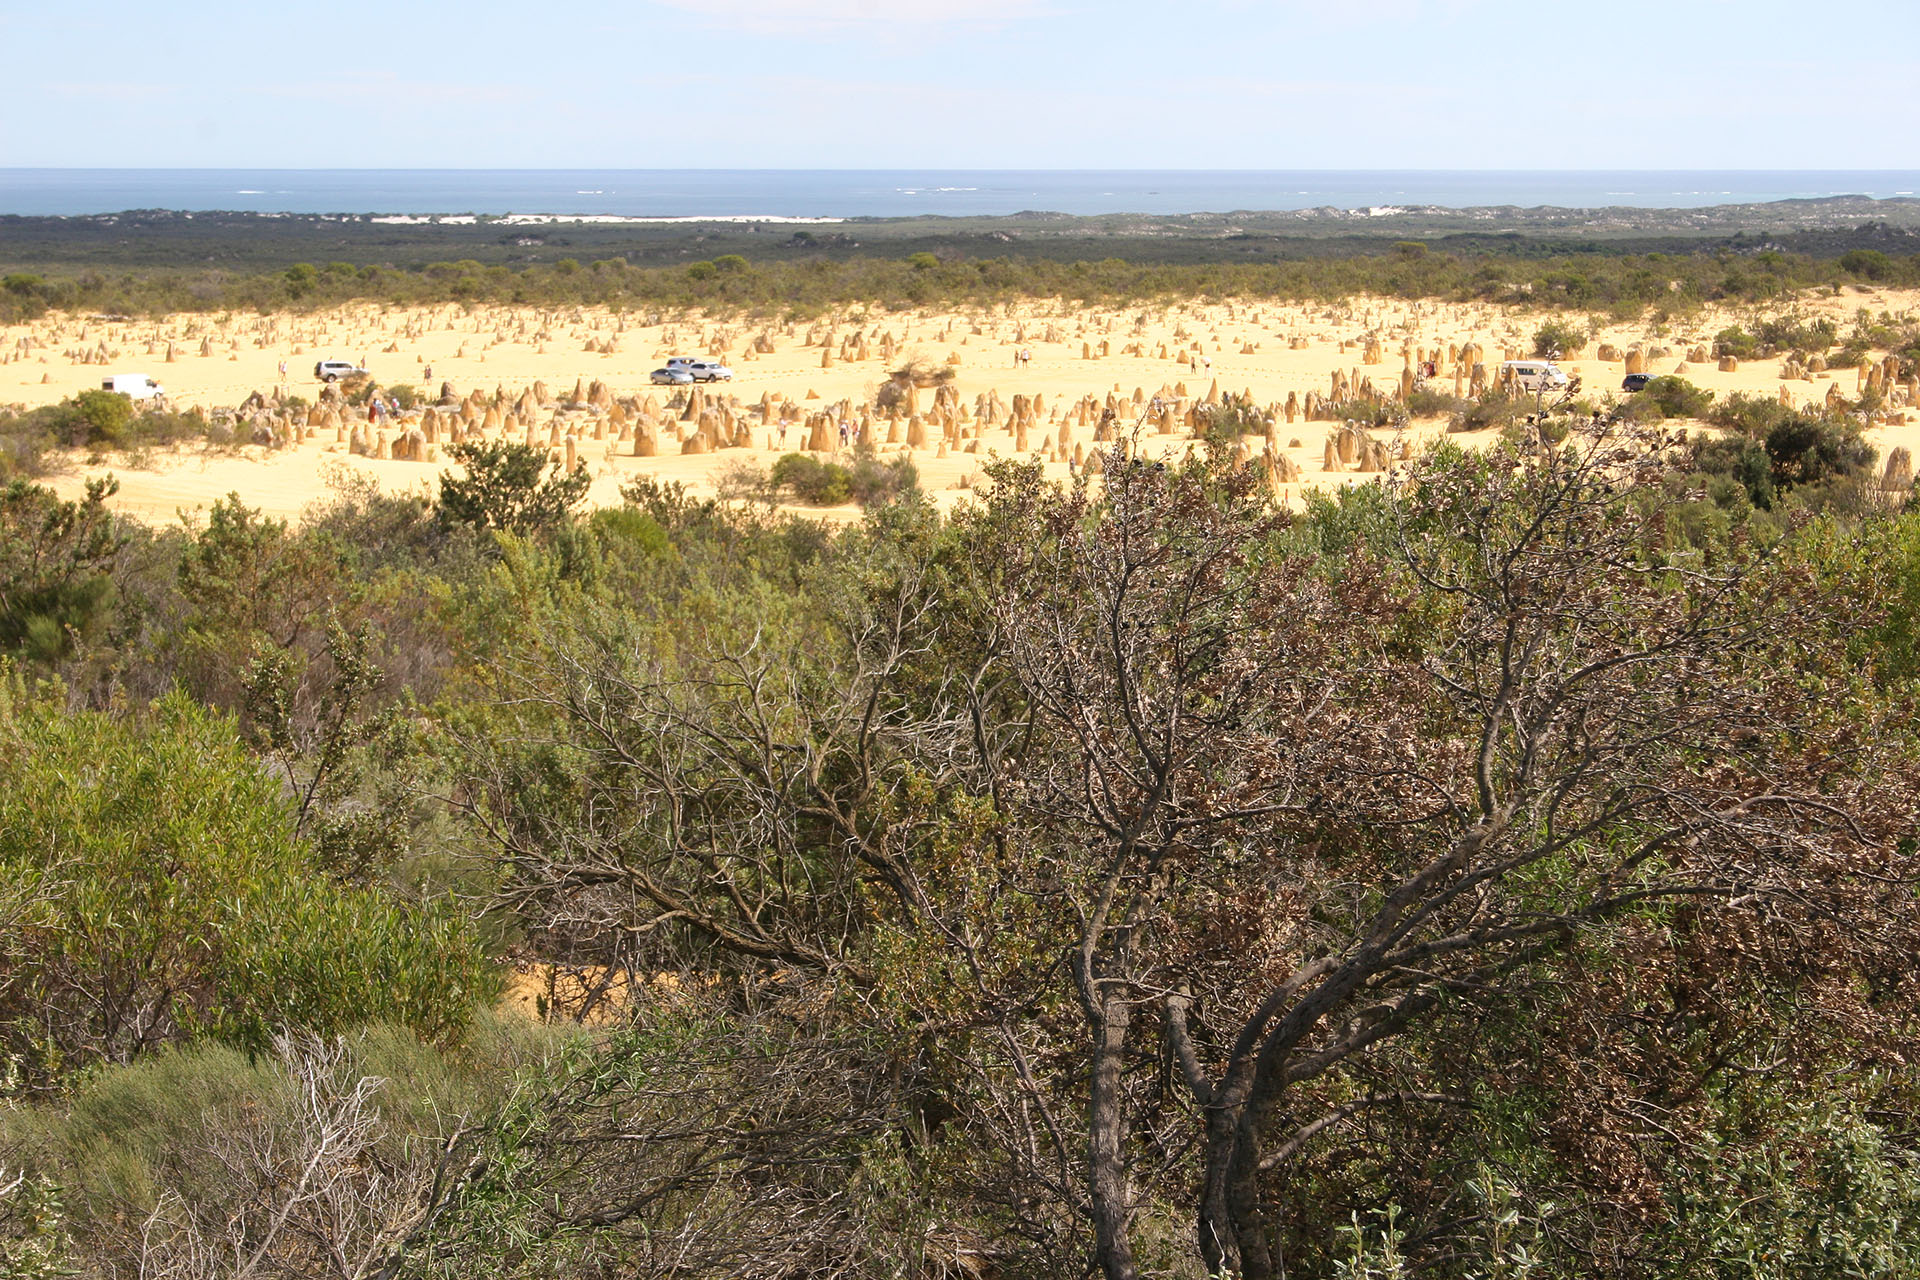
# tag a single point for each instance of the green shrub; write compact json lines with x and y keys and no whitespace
{"x":175,"y":902}
{"x":1869,"y":264}
{"x":25,"y":439}
{"x":1668,"y":397}
{"x":1428,"y":403}
{"x":1224,"y":425}
{"x":631,"y":528}
{"x":1560,"y":337}
{"x":504,"y":488}
{"x":186,"y":1130}
{"x":1751,"y":416}
{"x":1806,"y":451}
{"x":1736,"y":342}
{"x":809,"y":480}
{"x":873,"y":482}
{"x":1740,"y":462}
{"x":57,"y":560}
{"x":1491,"y":410}
{"x":101,"y":417}
{"x":1790,"y":333}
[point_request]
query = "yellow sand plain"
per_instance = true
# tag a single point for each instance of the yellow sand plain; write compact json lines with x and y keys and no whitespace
{"x":1258,"y":348}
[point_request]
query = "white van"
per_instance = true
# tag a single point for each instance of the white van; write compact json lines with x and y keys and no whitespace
{"x":137,"y":385}
{"x":1533,"y":376}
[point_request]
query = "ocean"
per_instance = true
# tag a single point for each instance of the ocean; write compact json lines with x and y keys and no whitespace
{"x":896,"y":193}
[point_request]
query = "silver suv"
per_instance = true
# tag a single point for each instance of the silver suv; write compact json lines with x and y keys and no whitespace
{"x":334,"y":370}
{"x":702,"y":370}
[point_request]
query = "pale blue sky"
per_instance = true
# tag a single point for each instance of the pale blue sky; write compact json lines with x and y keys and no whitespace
{"x":1359,"y":84}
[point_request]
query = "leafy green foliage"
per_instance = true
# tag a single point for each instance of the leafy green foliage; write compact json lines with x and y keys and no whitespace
{"x":506,"y":487}
{"x":1868,"y":264}
{"x":179,"y":905}
{"x":106,"y":415}
{"x":56,"y":567}
{"x":1806,"y":451}
{"x":1228,"y":423}
{"x":1737,"y":342}
{"x":825,"y":483}
{"x":1560,"y":337}
{"x":1669,"y":396}
{"x":765,"y":792}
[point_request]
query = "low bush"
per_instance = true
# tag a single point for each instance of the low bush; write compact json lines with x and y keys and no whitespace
{"x":1491,"y":410}
{"x":1741,"y":463}
{"x":1750,"y":416}
{"x":1427,"y":403}
{"x":868,"y":481}
{"x":507,"y":487}
{"x":1225,"y":424}
{"x":1807,"y":451}
{"x":167,"y":900}
{"x":1667,"y":397}
{"x":1560,"y":337}
{"x":1793,"y":333}
{"x":1736,"y":342}
{"x":809,"y":480}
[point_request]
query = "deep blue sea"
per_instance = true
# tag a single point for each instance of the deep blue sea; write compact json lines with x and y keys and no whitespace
{"x":894,"y":193}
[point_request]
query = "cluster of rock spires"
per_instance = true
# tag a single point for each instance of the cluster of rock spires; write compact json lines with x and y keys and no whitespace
{"x":919,"y":409}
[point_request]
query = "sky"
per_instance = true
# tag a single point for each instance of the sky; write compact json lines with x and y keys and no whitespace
{"x":953,"y":84}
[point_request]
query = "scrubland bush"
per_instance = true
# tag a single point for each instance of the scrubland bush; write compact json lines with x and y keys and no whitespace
{"x":1561,"y":337}
{"x":867,"y":480}
{"x":1667,"y":397}
{"x":174,"y":902}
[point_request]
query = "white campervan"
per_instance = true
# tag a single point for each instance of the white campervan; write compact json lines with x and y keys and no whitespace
{"x":1533,"y":376}
{"x":137,"y":385}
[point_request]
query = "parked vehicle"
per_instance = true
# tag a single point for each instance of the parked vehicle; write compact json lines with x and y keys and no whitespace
{"x":334,"y":370}
{"x":1534,"y":375}
{"x":1635,"y":381}
{"x":136,"y":385}
{"x":702,"y":370}
{"x":672,"y":376}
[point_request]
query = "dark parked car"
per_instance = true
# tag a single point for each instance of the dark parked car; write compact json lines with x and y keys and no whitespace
{"x":673,"y":377}
{"x":1635,"y":381}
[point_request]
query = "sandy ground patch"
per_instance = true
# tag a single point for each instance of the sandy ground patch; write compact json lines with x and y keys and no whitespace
{"x":1261,"y":349}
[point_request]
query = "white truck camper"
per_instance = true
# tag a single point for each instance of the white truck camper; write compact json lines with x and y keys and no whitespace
{"x":137,"y":385}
